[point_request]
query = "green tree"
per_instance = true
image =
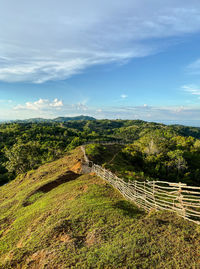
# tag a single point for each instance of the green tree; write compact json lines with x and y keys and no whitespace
{"x":177,"y":160}
{"x":76,"y":141}
{"x":22,"y":157}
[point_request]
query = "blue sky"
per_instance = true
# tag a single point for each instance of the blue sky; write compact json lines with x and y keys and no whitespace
{"x":107,"y":59}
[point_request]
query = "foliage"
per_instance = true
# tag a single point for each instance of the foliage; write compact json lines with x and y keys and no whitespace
{"x":155,"y":155}
{"x":96,"y":152}
{"x":85,"y":223}
{"x":22,"y":157}
{"x":154,"y":150}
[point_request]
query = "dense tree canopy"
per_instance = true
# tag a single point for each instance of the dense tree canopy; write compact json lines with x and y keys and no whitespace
{"x":153,"y":150}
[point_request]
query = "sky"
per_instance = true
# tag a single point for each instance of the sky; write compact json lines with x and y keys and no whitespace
{"x":107,"y":59}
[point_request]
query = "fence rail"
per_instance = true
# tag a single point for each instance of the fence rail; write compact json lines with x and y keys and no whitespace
{"x":158,"y":195}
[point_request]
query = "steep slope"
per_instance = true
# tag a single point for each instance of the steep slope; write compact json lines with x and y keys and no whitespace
{"x":54,"y":217}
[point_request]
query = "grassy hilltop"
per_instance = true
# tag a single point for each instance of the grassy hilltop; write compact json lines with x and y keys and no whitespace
{"x":53,"y":217}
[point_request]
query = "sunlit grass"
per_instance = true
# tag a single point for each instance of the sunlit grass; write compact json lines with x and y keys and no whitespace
{"x":85,"y":223}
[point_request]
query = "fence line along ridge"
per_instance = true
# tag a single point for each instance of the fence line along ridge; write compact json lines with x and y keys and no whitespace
{"x":158,"y":195}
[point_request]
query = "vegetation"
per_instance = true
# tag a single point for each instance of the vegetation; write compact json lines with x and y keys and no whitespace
{"x":154,"y":150}
{"x":154,"y":155}
{"x":158,"y":153}
{"x":59,"y":119}
{"x":53,"y":217}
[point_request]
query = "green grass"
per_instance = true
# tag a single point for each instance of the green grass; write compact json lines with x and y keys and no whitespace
{"x":85,"y":223}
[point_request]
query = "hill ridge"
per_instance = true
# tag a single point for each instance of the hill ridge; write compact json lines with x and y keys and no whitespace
{"x":58,"y":119}
{"x":85,"y":223}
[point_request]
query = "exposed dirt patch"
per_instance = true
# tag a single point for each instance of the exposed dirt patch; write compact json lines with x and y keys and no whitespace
{"x":77,"y":167}
{"x":72,"y":198}
{"x":42,"y":259}
{"x":84,"y":188}
{"x":20,"y":243}
{"x":93,"y":237}
{"x":65,"y":238}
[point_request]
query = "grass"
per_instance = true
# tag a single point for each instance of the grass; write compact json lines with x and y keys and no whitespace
{"x":85,"y":223}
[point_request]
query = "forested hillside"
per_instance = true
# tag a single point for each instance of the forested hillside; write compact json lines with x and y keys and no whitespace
{"x":153,"y":150}
{"x":59,"y":119}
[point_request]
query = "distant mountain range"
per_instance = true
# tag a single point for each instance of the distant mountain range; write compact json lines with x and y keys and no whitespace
{"x":59,"y":119}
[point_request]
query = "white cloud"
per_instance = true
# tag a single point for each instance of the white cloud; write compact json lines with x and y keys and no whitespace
{"x":124,"y":96}
{"x":56,"y":103}
{"x":49,"y":108}
{"x":53,"y":41}
{"x":41,"y":104}
{"x":53,"y":108}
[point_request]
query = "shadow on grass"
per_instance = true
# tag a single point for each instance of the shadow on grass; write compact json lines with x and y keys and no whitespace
{"x":128,"y":209}
{"x":67,"y":176}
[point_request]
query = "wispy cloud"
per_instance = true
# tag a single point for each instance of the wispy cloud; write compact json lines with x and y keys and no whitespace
{"x":54,"y":41}
{"x":53,"y":108}
{"x":192,"y":89}
{"x":6,"y":101}
{"x":152,"y":113}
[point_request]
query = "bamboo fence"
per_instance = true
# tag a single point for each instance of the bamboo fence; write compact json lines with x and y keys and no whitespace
{"x":159,"y":195}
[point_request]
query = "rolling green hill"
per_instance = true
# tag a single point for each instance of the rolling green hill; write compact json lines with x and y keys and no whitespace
{"x":155,"y":150}
{"x":58,"y":119}
{"x":54,"y":217}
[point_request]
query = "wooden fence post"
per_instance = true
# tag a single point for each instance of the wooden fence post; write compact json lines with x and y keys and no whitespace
{"x":187,"y":205}
{"x":181,"y":200}
{"x":104,"y":174}
{"x":145,"y":195}
{"x":135,"y":186}
{"x":154,"y":198}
